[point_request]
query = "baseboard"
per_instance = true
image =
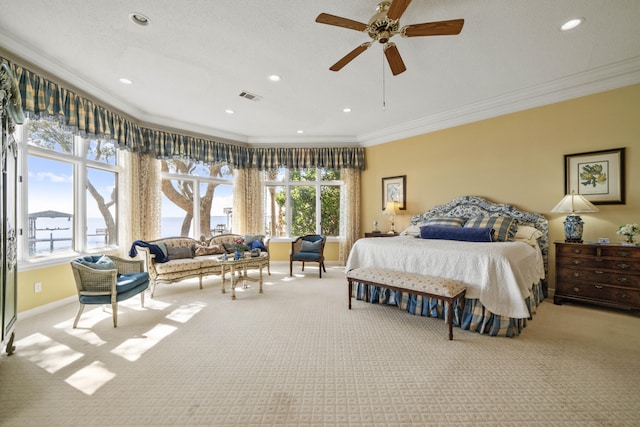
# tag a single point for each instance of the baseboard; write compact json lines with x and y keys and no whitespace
{"x":44,"y":308}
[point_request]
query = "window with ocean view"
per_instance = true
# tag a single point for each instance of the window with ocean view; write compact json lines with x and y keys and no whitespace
{"x":60,"y":218}
{"x":197,"y":199}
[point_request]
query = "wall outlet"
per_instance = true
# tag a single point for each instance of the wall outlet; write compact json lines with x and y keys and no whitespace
{"x":37,"y":287}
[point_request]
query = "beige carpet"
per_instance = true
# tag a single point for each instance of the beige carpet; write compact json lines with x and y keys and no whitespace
{"x":297,"y":356}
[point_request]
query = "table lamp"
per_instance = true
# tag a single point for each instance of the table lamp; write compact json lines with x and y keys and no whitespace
{"x":573,"y":225}
{"x":392,"y":211}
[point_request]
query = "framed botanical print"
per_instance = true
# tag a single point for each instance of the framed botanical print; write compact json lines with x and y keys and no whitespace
{"x":394,"y":189}
{"x":598,"y":176}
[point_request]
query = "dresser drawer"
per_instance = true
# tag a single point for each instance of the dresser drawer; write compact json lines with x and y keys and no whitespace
{"x":617,"y":295}
{"x":599,"y":277}
{"x":617,"y":251}
{"x":620,"y":265}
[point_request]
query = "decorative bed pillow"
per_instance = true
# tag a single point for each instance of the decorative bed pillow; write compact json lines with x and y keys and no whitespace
{"x":465,"y":234}
{"x":412,"y":230}
{"x":504,"y":226}
{"x":529,"y":235}
{"x":446,"y":221}
{"x":308,"y":246}
{"x":180,"y":252}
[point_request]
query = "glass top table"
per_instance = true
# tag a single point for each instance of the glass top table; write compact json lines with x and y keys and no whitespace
{"x":241,"y":266}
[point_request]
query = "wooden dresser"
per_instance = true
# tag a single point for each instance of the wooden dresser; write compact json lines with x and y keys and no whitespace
{"x":599,"y":274}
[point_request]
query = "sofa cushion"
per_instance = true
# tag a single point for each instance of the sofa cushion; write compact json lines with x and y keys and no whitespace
{"x":178,"y":265}
{"x":257,"y":244}
{"x":209,"y":250}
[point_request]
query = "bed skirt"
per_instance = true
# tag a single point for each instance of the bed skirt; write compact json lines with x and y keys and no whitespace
{"x":475,"y":317}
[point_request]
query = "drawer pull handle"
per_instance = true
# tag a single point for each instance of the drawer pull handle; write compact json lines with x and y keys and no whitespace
{"x":577,"y":275}
{"x":576,"y":251}
{"x":598,"y":259}
{"x":623,"y":279}
{"x":576,"y":262}
{"x":623,"y":265}
{"x":624,"y":296}
{"x":623,"y":253}
{"x":598,"y":271}
{"x":576,"y":289}
{"x":598,"y":286}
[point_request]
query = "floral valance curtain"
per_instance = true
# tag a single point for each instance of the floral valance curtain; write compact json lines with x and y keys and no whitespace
{"x":42,"y":98}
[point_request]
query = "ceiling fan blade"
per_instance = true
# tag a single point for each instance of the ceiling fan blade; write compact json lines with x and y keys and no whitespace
{"x":350,"y":56}
{"x":325,"y":18}
{"x":397,"y":8}
{"x":440,"y":28}
{"x":394,"y":59}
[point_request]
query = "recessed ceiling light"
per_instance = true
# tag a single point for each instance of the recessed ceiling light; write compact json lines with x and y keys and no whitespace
{"x":139,"y":19}
{"x":346,"y":110}
{"x":571,"y":24}
{"x":275,"y":78}
{"x":300,"y":131}
{"x":125,"y":81}
{"x":229,"y":111}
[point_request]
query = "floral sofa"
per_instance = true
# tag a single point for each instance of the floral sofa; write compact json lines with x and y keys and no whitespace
{"x":186,"y":257}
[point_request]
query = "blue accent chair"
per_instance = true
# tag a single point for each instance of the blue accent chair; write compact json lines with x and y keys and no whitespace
{"x":102,"y":279}
{"x":308,"y":248}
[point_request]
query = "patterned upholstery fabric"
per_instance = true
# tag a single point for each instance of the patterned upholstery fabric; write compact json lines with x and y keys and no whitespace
{"x":411,"y":281}
{"x":442,"y":221}
{"x":505,"y":226}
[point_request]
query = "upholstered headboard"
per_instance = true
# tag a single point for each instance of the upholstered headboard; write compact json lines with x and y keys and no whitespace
{"x":474,"y":206}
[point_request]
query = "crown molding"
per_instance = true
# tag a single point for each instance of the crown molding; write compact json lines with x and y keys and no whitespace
{"x":612,"y":76}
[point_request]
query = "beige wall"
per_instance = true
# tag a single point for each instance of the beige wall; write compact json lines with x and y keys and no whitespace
{"x":516,"y":158}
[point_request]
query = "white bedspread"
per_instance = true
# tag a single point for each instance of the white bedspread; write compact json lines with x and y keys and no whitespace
{"x":499,"y":274}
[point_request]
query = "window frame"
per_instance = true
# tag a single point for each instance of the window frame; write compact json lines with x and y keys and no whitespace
{"x":197,"y":180}
{"x":80,"y":165}
{"x":318,"y":183}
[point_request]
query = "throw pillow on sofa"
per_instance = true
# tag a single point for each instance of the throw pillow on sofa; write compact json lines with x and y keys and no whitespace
{"x":180,"y":252}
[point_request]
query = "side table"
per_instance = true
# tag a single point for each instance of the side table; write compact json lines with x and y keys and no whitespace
{"x":241,"y":265}
{"x":379,"y":234}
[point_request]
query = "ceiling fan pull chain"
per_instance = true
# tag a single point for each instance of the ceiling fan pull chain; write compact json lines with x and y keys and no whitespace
{"x":384,"y":87}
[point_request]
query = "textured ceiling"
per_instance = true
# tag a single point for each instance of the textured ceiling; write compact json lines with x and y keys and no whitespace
{"x":190,"y":64}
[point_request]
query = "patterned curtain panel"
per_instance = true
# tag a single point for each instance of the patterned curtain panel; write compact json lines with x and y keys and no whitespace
{"x":43,"y":98}
{"x":351,"y":178}
{"x":248,"y":214}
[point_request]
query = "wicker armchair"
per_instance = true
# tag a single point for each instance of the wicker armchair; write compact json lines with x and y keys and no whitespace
{"x":309,"y":248}
{"x":107,"y":280}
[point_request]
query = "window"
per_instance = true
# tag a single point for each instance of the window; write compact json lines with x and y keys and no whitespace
{"x":302,"y":201}
{"x":197,"y":200}
{"x":70,"y":195}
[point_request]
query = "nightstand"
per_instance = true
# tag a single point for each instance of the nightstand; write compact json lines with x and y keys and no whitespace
{"x":378,"y":234}
{"x":599,"y":274}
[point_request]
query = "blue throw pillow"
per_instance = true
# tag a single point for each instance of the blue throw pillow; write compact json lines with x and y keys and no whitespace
{"x":257,"y":244}
{"x":104,"y":263}
{"x":308,"y":246}
{"x":456,"y":233}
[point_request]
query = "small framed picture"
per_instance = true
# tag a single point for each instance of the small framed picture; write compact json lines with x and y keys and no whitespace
{"x":598,"y":176}
{"x":394,"y":189}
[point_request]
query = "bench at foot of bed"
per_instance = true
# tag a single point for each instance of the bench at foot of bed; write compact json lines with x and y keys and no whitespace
{"x":419,"y":284}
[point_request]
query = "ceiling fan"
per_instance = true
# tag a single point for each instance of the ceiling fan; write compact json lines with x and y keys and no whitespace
{"x":383,"y":25}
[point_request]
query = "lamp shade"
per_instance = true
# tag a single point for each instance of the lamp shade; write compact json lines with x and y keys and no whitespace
{"x":392,"y":208}
{"x":572,"y":203}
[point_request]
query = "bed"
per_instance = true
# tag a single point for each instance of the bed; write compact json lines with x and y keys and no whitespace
{"x":505,"y":279}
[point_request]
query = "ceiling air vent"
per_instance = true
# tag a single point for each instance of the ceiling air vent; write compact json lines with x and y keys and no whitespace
{"x":250,"y":96}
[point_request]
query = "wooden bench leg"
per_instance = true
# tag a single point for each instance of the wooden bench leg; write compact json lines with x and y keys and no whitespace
{"x":450,"y":318}
{"x":350,"y":290}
